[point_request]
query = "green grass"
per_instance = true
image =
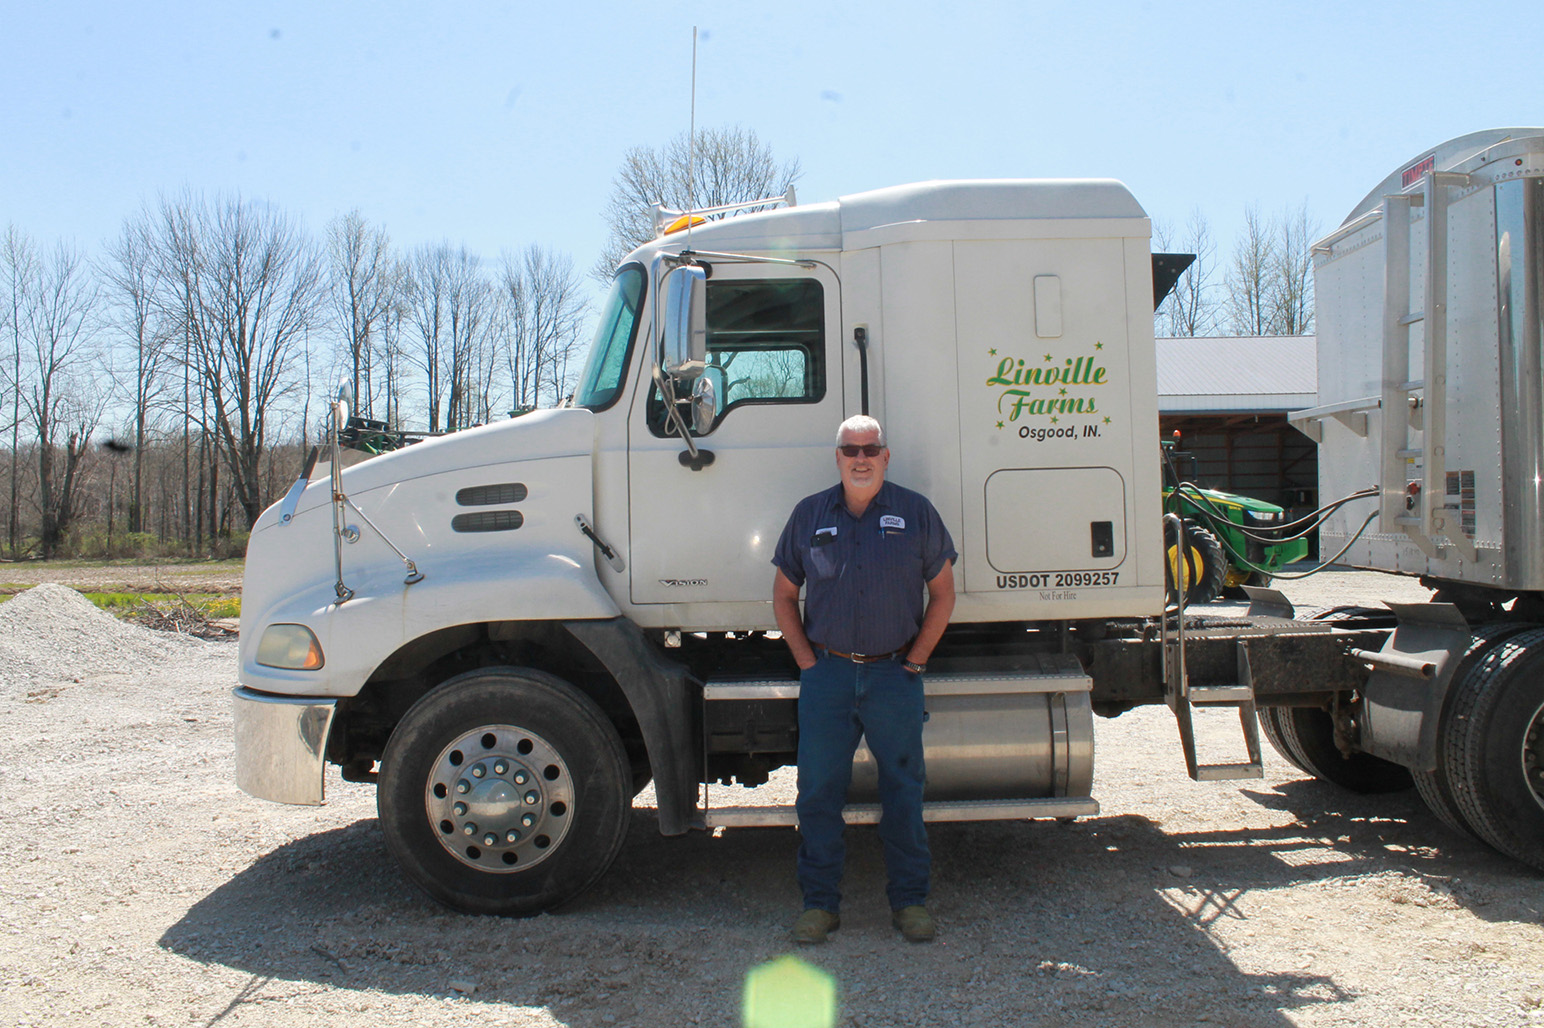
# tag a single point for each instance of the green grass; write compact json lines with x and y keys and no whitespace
{"x":214,"y":605}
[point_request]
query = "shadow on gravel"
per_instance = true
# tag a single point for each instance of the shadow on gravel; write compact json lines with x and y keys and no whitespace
{"x":1109,"y":920}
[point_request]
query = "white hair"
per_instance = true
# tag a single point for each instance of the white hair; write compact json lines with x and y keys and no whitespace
{"x":860,"y":423}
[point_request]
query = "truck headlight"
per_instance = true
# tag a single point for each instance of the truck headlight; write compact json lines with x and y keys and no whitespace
{"x":289,"y":646}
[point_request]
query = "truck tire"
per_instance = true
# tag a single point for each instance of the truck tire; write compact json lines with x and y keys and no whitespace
{"x":1309,"y":734}
{"x":1270,"y":724}
{"x":1310,"y":743}
{"x":504,"y":791}
{"x":1435,"y":786}
{"x":1205,"y":565}
{"x":1494,"y":747}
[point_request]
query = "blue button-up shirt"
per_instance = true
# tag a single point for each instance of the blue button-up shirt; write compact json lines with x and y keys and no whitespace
{"x":864,"y":578}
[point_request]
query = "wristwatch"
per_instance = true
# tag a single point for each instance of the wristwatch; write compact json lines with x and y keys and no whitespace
{"x":913,"y":666}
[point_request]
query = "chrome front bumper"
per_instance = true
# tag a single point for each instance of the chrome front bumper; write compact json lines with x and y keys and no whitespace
{"x":280,"y":745}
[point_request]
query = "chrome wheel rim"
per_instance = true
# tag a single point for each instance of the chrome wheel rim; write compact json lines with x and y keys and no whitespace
{"x":499,"y":798}
{"x":1533,"y":755}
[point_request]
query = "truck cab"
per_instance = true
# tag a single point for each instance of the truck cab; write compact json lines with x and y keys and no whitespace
{"x":513,"y":628}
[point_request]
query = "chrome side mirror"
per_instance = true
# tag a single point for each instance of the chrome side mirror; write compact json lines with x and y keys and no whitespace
{"x":684,"y":341}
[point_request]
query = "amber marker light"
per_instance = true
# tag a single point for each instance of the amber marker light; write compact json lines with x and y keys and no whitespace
{"x":293,"y":647}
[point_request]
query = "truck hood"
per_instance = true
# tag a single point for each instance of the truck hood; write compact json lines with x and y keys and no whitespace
{"x":569,"y":432}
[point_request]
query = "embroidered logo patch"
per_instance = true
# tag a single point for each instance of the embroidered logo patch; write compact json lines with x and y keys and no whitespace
{"x":892,"y":521}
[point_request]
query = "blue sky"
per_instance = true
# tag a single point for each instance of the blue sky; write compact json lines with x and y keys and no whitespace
{"x":500,"y":124}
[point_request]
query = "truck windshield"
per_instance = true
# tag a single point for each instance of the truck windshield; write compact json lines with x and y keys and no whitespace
{"x":601,"y":381}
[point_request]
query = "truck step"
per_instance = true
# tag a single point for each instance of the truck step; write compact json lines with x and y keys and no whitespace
{"x":1228,"y":772}
{"x":939,"y":810}
{"x":1220,"y":695}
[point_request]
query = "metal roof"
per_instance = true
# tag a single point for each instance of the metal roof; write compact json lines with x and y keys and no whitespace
{"x":1237,"y":374}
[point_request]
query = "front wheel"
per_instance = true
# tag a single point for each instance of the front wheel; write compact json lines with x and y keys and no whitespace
{"x":504,"y":791}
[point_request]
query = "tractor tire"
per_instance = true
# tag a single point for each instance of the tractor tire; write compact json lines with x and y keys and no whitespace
{"x":1204,"y":567}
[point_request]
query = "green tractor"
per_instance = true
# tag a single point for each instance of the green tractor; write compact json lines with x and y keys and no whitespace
{"x":1230,"y":540}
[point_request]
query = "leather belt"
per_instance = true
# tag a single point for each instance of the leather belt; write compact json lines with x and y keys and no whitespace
{"x":861,"y":658}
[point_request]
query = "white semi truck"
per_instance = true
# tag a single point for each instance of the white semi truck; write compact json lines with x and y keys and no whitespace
{"x":516,"y":628}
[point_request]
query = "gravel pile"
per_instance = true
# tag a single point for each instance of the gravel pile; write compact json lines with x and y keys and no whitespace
{"x":52,"y":634}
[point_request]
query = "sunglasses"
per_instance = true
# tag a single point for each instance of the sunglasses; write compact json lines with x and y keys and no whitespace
{"x":868,"y":450}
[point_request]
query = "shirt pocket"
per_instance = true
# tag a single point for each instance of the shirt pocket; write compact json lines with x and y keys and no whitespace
{"x":822,"y":562}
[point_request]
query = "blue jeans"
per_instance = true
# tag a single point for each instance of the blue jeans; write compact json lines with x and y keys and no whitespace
{"x":839,"y":703}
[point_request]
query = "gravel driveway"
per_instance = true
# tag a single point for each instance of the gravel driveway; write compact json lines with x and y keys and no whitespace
{"x":142,"y":888}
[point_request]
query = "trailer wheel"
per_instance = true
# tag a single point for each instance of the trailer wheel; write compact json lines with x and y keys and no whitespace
{"x":1494,"y":747}
{"x":1205,"y":566}
{"x":1309,"y":733}
{"x":504,"y":791}
{"x":1305,"y":736}
{"x":1435,"y":786}
{"x":1270,"y":724}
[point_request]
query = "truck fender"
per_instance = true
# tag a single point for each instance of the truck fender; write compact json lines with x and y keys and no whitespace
{"x":1405,"y":694}
{"x":659,"y":692}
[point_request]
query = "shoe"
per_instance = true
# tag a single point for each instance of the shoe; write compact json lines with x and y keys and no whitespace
{"x":915,"y":923}
{"x":814,"y":925}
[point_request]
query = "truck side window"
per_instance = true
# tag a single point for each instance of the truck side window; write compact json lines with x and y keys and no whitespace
{"x":601,"y":380}
{"x":766,"y":344}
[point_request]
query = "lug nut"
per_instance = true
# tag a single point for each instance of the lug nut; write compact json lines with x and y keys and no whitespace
{"x":531,"y":798}
{"x":528,"y":819}
{"x":511,"y":836}
{"x":463,"y":786}
{"x":469,"y":828}
{"x":490,"y":839}
{"x":459,"y":808}
{"x":500,"y":768}
{"x":520,"y":777}
{"x":478,"y":771}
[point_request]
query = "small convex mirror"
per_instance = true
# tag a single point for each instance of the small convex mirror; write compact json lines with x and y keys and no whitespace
{"x":704,"y":404}
{"x":344,"y":403}
{"x":684,"y":347}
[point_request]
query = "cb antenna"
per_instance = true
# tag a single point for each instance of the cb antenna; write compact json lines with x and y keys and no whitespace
{"x":691,"y":148}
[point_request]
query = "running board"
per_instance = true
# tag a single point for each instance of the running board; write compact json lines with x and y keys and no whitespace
{"x":942,"y":810}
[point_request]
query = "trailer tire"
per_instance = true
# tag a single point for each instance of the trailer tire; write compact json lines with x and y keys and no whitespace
{"x":1494,"y":747}
{"x":1205,"y":565}
{"x":1309,"y":732}
{"x":1270,"y":724}
{"x":1435,"y":786}
{"x":504,"y":791}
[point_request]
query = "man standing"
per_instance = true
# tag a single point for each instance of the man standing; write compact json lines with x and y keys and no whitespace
{"x":863,"y":550}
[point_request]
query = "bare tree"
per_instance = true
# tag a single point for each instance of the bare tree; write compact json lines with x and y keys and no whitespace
{"x":450,"y":308}
{"x":246,"y":285}
{"x":131,"y":274}
{"x":1270,"y":281}
{"x":544,"y":314}
{"x":361,"y":284}
{"x":471,"y":309}
{"x":426,"y":296}
{"x":1247,"y":306}
{"x":61,"y":392}
{"x":730,"y":165}
{"x":1191,"y":308}
{"x":19,"y":264}
{"x":1292,"y":274}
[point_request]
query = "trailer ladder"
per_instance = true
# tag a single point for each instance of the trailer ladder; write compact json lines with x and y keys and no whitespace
{"x":1421,"y":404}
